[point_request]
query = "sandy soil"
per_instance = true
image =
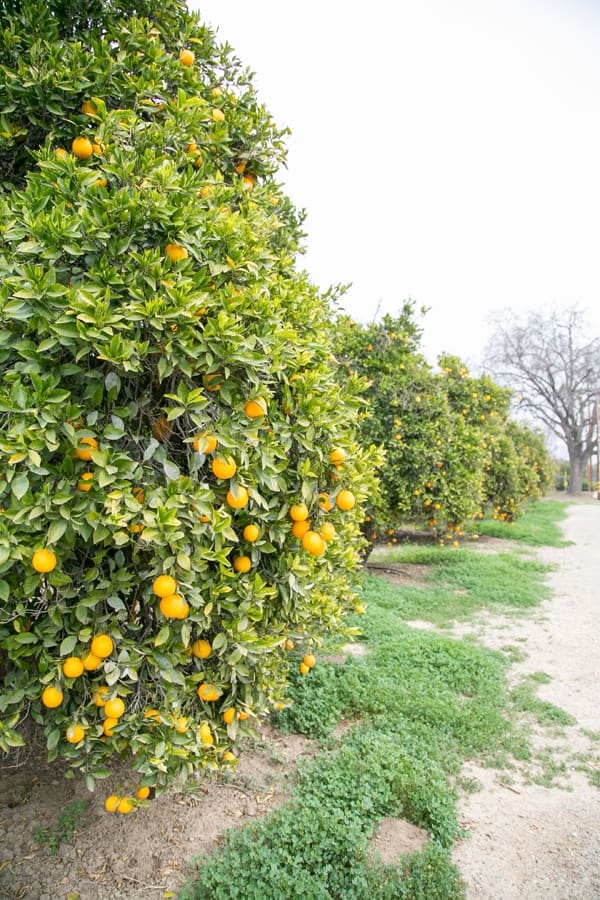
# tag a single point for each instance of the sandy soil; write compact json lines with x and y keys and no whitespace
{"x":524,"y":841}
{"x":527,"y":841}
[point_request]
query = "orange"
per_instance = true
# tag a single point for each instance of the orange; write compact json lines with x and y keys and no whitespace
{"x":108,"y":726}
{"x":242,"y":564}
{"x":360,"y":609}
{"x":102,"y":646}
{"x":337,"y":456}
{"x":85,"y":482}
{"x":300,"y":528}
{"x":212,"y":381}
{"x":207,"y":442}
{"x":153,"y":714}
{"x":181,"y":724}
{"x":114,"y":709}
{"x":240,"y":168}
{"x":327,"y":531}
{"x":345,"y":500}
{"x":72,"y":667}
{"x":164,"y":586}
{"x":75,"y":733}
{"x":52,"y":697}
{"x":100,"y":695}
{"x":228,"y":756}
{"x":174,"y":607}
{"x":251,"y":533}
{"x":304,"y":670}
{"x":143,"y":793}
{"x":325,"y":502}
{"x":229,"y":715}
{"x":218,"y":115}
{"x":176,"y":252}
{"x":224,"y":467}
{"x":85,"y":452}
{"x":309,"y":660}
{"x":91,"y":662}
{"x":299,"y":512}
{"x":43,"y":560}
{"x":201,"y":649}
{"x":314,"y":543}
{"x":207,"y":692}
{"x":289,"y":644}
{"x":186,"y":57}
{"x":111,"y":803}
{"x":244,"y":714}
{"x":60,"y":153}
{"x":254,"y":409}
{"x":249,"y":181}
{"x":89,"y":108}
{"x":125,"y":805}
{"x":239,"y":501}
{"x":82,"y":148}
{"x":161,"y":429}
{"x":206,"y":734}
{"x":138,"y":493}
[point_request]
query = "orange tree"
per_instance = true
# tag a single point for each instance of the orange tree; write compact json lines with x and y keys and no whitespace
{"x":181,"y":487}
{"x":433,"y":459}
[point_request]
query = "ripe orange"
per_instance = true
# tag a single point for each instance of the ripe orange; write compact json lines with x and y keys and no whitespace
{"x":229,"y":715}
{"x":111,"y":803}
{"x":108,"y":726}
{"x":314,"y":543}
{"x":186,"y":57}
{"x":304,"y":670}
{"x":242,"y":564}
{"x":201,"y":649}
{"x":299,"y":512}
{"x":228,"y":756}
{"x":224,"y":467}
{"x":153,"y":714}
{"x":43,"y":560}
{"x":360,"y":609}
{"x":207,"y":442}
{"x":90,"y":662}
{"x":82,"y":148}
{"x":89,"y":108}
{"x":254,"y":409}
{"x":52,"y":697}
{"x":72,"y":667}
{"x":143,"y":793}
{"x":181,"y":724}
{"x":208,"y":692}
{"x":251,"y":533}
{"x":100,"y":695}
{"x":212,"y":381}
{"x":300,"y":528}
{"x":84,"y":452}
{"x":289,"y":644}
{"x":85,"y":482}
{"x":241,"y":167}
{"x":243,"y":714}
{"x":164,"y":586}
{"x":337,"y":456}
{"x":125,"y":805}
{"x":345,"y":500}
{"x":75,"y":733}
{"x":249,"y":181}
{"x":327,"y":531}
{"x":174,"y":607}
{"x":218,"y":115}
{"x":325,"y":502}
{"x":176,"y":252}
{"x":114,"y":709}
{"x":138,"y":493}
{"x":60,"y":153}
{"x":102,"y":646}
{"x":309,"y":660}
{"x":239,"y":501}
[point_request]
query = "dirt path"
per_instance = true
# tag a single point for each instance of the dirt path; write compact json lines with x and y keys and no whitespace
{"x":529,"y":841}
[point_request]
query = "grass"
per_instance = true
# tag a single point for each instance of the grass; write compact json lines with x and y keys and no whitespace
{"x":539,"y":526}
{"x":70,"y":820}
{"x":422,"y":703}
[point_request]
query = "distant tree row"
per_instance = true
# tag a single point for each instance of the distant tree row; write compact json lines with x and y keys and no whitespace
{"x":451,"y":449}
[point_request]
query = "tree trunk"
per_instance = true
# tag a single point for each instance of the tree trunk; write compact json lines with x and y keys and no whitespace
{"x":577,"y":465}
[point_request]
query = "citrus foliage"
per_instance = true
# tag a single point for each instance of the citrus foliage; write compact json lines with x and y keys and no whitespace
{"x":450,"y":448}
{"x":167,"y":394}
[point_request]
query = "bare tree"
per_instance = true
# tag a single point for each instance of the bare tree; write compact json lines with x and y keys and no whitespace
{"x":553,"y":366}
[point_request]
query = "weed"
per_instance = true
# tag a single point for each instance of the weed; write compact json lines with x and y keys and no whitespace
{"x":69,"y":821}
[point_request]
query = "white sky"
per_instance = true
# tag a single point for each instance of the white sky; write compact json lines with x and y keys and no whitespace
{"x":444,"y":151}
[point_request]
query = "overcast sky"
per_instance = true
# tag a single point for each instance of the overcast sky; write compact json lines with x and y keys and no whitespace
{"x":446,"y":152}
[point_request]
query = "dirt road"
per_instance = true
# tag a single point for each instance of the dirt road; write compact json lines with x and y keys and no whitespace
{"x":528,"y":841}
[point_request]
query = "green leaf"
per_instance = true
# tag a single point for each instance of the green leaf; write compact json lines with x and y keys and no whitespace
{"x":163,"y":636}
{"x":67,"y":645}
{"x":19,"y":486}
